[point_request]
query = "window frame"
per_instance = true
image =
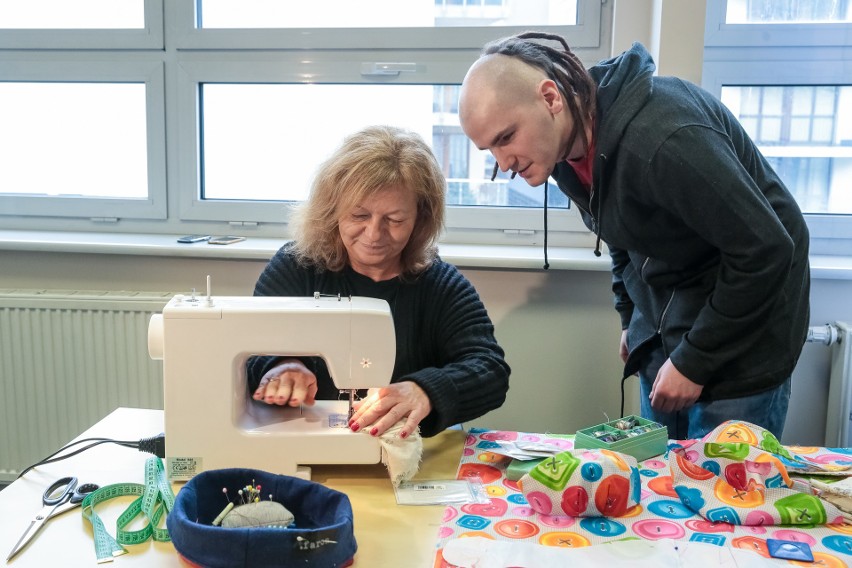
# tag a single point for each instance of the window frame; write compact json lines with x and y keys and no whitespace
{"x":54,"y":68}
{"x":341,"y":68}
{"x":781,"y":54}
{"x":587,"y":33}
{"x":719,"y":33}
{"x":275,"y":56}
{"x":151,"y":36}
{"x":171,"y":56}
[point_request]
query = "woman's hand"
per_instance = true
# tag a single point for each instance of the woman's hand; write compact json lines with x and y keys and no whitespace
{"x":288,"y":383}
{"x":386,"y":406}
{"x":623,"y":352}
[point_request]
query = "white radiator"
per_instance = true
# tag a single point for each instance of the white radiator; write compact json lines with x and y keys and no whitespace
{"x":67,"y":359}
{"x":838,"y":422}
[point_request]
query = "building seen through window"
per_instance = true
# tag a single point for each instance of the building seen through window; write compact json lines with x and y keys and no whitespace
{"x":805,"y":131}
{"x":788,"y":11}
{"x":385,"y":13}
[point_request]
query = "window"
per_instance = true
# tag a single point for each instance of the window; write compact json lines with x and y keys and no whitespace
{"x":102,"y":139}
{"x":779,"y":66}
{"x":81,"y":14}
{"x":227,"y":14}
{"x":81,"y":139}
{"x":805,"y":133}
{"x":81,"y":24}
{"x":785,"y":11}
{"x":240,"y":102}
{"x":253,"y":146}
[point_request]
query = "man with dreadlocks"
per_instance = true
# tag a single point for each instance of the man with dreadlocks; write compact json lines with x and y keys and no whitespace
{"x":709,"y":249}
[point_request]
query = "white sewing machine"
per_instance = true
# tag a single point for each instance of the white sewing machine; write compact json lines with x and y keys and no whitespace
{"x":210,"y":420}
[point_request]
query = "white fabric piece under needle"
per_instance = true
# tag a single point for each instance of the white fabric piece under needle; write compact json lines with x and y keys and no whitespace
{"x":401,"y":455}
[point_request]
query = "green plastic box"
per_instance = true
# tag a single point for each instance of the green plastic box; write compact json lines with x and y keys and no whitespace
{"x":644,"y":440}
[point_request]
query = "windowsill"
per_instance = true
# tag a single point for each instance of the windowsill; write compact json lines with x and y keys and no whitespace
{"x":256,"y":248}
{"x":472,"y":256}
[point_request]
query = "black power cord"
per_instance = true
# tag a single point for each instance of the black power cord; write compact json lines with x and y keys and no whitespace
{"x":154,"y":445}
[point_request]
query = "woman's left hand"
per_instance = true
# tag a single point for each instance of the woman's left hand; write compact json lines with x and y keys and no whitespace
{"x":384,"y":407}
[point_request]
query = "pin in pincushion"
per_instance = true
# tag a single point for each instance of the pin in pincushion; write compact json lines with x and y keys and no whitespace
{"x":321,"y":533}
{"x":583,"y":483}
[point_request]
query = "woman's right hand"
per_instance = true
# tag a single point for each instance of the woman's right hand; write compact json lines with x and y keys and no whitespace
{"x":288,"y":383}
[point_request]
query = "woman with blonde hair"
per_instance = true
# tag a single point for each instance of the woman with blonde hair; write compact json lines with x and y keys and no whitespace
{"x":370,"y":228}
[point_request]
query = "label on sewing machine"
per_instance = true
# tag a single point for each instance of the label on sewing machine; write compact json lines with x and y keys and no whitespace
{"x":182,"y":468}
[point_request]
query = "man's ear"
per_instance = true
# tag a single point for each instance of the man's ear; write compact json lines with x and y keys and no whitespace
{"x":549,"y":92}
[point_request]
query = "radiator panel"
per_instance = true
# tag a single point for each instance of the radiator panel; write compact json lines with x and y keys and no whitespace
{"x":67,"y":359}
{"x":838,"y":427}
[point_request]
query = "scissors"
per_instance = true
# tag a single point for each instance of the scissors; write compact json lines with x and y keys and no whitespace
{"x":62,"y":495}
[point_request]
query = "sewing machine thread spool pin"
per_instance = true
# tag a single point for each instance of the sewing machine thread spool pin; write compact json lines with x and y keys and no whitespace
{"x":209,"y":292}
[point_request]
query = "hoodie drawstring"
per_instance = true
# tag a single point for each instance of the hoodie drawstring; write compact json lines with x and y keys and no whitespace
{"x":546,"y":264}
{"x":599,"y":220}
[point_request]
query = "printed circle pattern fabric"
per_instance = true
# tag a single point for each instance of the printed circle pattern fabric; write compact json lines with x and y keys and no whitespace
{"x":743,"y":479}
{"x":666,"y":508}
{"x":583,"y":483}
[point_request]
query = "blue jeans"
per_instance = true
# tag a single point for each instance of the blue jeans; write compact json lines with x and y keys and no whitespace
{"x":767,"y":409}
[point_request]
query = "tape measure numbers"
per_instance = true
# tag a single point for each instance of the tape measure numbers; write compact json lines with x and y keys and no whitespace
{"x":154,"y":498}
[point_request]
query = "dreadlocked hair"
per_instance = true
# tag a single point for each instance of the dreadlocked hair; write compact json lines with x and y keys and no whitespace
{"x":563,"y":67}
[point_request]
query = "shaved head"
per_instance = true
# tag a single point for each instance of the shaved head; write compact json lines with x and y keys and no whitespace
{"x":514,"y":110}
{"x":528,"y":104}
{"x":496,"y":81}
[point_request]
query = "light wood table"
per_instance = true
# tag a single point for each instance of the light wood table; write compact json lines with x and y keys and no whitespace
{"x":387,"y":534}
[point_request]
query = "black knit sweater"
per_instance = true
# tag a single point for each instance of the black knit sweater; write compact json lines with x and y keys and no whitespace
{"x":444,"y":337}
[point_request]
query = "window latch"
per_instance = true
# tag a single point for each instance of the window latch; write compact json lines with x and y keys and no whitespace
{"x":378,"y":69}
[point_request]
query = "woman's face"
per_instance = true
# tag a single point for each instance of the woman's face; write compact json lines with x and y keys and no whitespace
{"x":376,"y":231}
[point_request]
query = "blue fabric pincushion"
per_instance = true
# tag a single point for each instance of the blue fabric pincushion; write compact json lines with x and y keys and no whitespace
{"x":322,"y":534}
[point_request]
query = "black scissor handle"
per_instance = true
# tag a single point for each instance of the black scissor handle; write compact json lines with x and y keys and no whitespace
{"x":52,"y":495}
{"x":81,"y":492}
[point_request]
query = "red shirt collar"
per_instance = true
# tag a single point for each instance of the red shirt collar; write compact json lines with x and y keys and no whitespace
{"x":583,"y":166}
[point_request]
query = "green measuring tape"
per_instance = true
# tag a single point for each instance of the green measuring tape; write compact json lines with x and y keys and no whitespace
{"x":154,"y":499}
